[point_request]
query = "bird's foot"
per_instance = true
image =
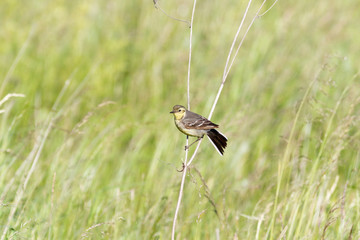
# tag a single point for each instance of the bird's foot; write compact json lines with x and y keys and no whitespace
{"x":182,"y":169}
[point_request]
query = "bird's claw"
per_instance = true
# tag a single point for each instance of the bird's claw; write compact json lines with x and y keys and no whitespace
{"x":182,"y":169}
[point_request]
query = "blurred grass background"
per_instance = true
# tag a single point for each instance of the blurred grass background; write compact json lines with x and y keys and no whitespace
{"x":91,"y":151}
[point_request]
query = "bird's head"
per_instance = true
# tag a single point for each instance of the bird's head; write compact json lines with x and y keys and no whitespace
{"x":179,"y":112}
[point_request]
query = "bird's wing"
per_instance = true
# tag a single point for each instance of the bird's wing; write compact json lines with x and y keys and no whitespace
{"x":196,"y":121}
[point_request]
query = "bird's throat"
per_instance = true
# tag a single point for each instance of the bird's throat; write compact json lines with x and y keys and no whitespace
{"x":179,"y":115}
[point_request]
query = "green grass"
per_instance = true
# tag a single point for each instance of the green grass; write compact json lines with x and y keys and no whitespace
{"x":91,"y":151}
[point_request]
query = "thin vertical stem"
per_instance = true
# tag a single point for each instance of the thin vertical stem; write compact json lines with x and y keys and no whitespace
{"x":180,"y":195}
{"x":225,"y":74}
{"x":187,"y":138}
{"x":190,"y":50}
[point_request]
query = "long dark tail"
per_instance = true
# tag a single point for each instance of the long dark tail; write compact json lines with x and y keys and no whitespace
{"x":218,"y":140}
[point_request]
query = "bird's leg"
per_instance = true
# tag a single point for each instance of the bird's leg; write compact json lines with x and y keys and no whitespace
{"x":187,"y":147}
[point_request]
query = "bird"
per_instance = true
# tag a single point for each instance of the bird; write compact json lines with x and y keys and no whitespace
{"x":195,"y":125}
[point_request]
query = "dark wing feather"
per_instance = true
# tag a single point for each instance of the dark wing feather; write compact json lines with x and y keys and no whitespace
{"x":196,"y":121}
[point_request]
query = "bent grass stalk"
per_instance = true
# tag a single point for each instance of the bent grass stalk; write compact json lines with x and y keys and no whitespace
{"x":33,"y":157}
{"x":227,"y":70}
{"x":17,"y":59}
{"x":286,"y":157}
{"x":316,"y":164}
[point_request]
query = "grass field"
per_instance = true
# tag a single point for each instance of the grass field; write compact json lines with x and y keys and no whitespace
{"x":88,"y":149}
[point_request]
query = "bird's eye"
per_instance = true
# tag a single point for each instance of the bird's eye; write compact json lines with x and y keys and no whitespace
{"x":179,"y":110}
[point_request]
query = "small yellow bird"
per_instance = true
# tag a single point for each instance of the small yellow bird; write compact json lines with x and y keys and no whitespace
{"x":195,"y":125}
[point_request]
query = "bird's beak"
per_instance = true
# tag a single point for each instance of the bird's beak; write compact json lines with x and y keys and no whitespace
{"x":172,"y":111}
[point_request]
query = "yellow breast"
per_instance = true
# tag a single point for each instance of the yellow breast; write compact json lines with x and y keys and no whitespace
{"x":190,"y":132}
